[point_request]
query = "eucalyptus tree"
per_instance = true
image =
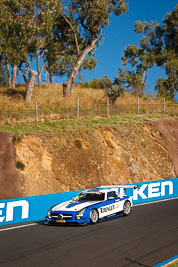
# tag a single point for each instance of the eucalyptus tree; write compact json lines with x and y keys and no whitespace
{"x":46,"y":14}
{"x":129,"y":81}
{"x":161,"y":43}
{"x":134,"y":75}
{"x":3,"y":72}
{"x":140,"y":58}
{"x":25,"y":31}
{"x":85,"y":21}
{"x":114,"y":89}
{"x":16,"y":29}
{"x":59,"y":53}
{"x":168,"y":58}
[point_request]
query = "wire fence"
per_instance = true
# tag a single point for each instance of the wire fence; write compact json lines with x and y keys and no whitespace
{"x":80,"y":111}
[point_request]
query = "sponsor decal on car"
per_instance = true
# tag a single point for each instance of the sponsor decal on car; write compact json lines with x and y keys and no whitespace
{"x":106,"y":209}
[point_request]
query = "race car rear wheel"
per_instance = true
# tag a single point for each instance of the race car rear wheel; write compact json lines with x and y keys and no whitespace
{"x":94,"y":216}
{"x":127,"y":208}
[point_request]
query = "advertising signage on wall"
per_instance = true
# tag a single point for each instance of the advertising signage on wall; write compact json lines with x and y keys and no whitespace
{"x":35,"y":208}
{"x":154,"y":191}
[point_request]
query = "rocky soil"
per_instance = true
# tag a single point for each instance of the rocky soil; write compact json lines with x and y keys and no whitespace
{"x":10,"y":186}
{"x":121,"y":155}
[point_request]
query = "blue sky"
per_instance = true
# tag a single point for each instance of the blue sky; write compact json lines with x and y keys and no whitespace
{"x":119,"y":34}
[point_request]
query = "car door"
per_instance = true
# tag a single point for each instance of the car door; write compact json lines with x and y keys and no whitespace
{"x":110,"y":206}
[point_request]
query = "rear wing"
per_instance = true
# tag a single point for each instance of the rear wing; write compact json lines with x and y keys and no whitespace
{"x":122,"y":187}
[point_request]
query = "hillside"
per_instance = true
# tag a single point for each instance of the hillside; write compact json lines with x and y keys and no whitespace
{"x":115,"y":153}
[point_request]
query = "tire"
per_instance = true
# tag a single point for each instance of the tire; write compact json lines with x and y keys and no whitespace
{"x":94,"y":216}
{"x":127,"y":208}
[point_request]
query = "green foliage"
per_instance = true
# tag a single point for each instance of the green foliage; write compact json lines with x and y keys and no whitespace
{"x":113,"y":92}
{"x":78,"y":143}
{"x":130,"y":81}
{"x":64,"y":37}
{"x":93,"y":16}
{"x":138,"y":60}
{"x":16,"y":29}
{"x":25,"y":30}
{"x":164,"y":88}
{"x":169,"y":56}
{"x":85,"y":21}
{"x":3,"y":74}
{"x":160,"y":44}
{"x":97,"y":83}
{"x":94,"y":84}
{"x":89,"y":63}
{"x":17,"y":139}
{"x":20,"y":165}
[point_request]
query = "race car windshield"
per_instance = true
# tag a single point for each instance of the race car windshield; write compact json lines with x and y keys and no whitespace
{"x":90,"y":197}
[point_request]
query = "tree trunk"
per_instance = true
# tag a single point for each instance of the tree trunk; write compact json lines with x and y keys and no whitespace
{"x":14,"y":76}
{"x":67,"y":86}
{"x":39,"y":79}
{"x":40,"y":71}
{"x":24,"y":72}
{"x":145,"y":76}
{"x":50,"y":78}
{"x":9,"y":74}
{"x":30,"y":86}
{"x":38,"y":68}
{"x":25,"y":78}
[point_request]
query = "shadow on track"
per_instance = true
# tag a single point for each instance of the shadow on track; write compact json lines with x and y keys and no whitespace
{"x":136,"y":262}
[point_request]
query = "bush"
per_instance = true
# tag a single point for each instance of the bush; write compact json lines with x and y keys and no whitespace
{"x":78,"y":143}
{"x":97,"y":83}
{"x":20,"y":165}
{"x":16,"y":139}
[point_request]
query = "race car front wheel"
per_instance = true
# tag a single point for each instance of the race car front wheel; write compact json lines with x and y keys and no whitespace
{"x":127,"y":208}
{"x":94,"y":216}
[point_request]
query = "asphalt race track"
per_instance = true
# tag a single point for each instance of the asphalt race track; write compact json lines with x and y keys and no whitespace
{"x":145,"y":238}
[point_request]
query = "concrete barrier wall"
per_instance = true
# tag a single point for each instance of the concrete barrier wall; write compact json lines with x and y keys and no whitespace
{"x":35,"y":208}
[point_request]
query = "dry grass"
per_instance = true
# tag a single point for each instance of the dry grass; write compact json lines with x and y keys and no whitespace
{"x":50,"y":99}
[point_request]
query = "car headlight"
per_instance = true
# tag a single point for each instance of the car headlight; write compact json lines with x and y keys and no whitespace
{"x":80,"y":214}
{"x":49,"y":213}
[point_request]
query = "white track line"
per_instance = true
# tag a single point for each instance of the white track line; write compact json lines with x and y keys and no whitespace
{"x":32,"y":224}
{"x":154,"y":202}
{"x":16,"y":227}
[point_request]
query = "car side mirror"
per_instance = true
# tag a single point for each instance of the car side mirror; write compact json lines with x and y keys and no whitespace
{"x":73,"y":198}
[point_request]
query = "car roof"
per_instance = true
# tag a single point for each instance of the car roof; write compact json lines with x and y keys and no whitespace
{"x":99,"y":190}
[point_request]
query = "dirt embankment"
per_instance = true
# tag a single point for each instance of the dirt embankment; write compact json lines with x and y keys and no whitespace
{"x":125,"y":154}
{"x":168,"y":128}
{"x":9,"y":181}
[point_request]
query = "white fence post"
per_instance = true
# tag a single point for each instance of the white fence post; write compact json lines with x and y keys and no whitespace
{"x":164,"y":105}
{"x":138,"y":108}
{"x":78,"y":108}
{"x":107,"y":106}
{"x":36,"y":110}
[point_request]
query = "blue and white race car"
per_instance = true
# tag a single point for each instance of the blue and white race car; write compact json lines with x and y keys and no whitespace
{"x":93,"y":205}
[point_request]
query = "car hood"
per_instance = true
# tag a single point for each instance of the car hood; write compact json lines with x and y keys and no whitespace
{"x":73,"y":205}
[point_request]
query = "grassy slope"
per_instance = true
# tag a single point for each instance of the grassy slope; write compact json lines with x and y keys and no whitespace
{"x":18,"y":118}
{"x":72,"y":126}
